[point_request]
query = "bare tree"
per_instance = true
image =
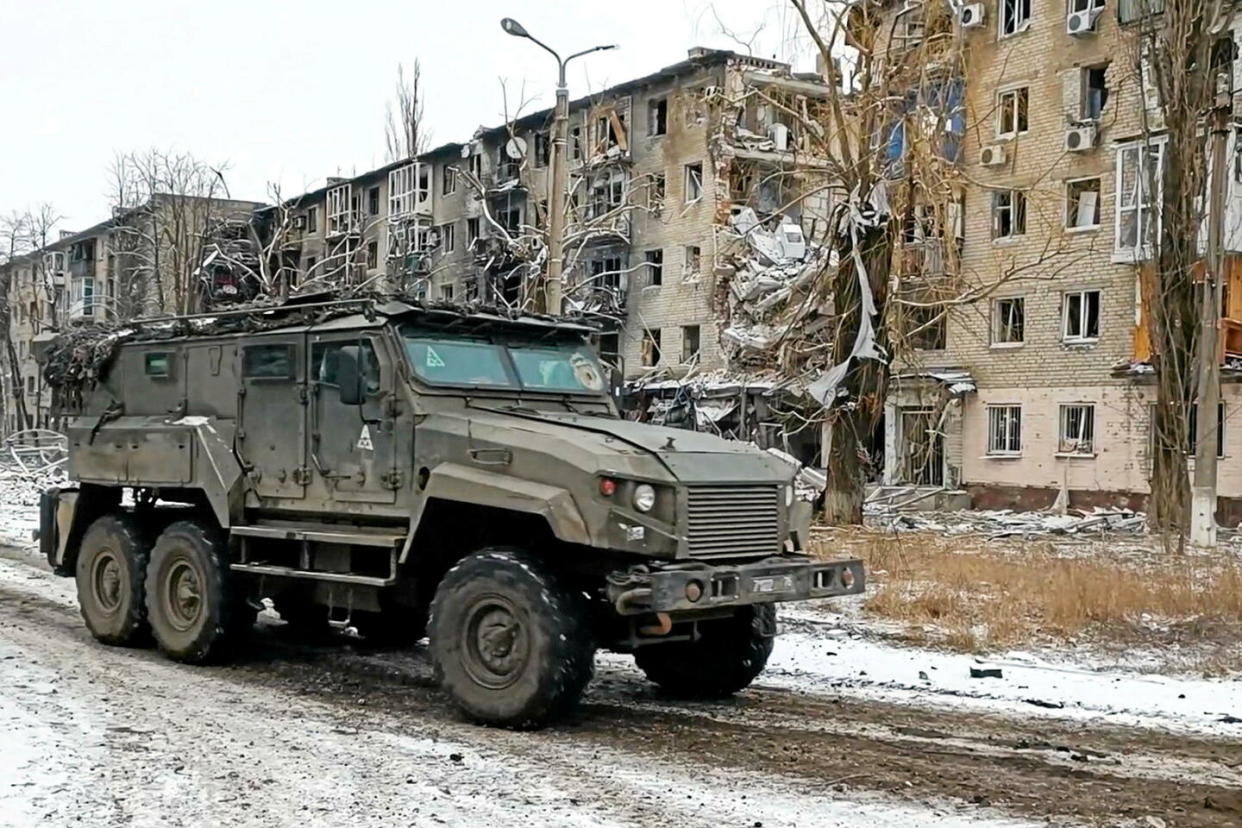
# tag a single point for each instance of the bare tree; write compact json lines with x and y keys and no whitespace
{"x":405,"y":135}
{"x":14,"y":242}
{"x":163,"y":204}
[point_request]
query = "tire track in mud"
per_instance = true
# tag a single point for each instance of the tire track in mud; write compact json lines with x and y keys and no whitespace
{"x":822,"y":743}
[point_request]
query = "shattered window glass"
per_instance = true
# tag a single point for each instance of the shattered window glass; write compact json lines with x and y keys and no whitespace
{"x":560,"y":368}
{"x":324,"y":363}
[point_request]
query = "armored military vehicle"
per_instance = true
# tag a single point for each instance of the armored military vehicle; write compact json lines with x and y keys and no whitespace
{"x":414,"y":471}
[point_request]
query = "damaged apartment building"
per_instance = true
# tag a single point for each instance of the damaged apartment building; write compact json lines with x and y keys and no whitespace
{"x":1041,"y":386}
{"x":675,"y":180}
{"x":166,"y":255}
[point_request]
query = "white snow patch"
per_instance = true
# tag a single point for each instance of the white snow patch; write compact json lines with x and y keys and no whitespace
{"x":816,"y":659}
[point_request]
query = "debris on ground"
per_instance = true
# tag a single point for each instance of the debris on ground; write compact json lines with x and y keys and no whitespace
{"x":1006,"y":523}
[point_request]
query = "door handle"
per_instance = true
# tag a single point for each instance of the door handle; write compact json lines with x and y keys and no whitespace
{"x":491,"y":456}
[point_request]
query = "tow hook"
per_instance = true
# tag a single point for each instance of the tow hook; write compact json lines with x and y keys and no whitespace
{"x":663,"y":625}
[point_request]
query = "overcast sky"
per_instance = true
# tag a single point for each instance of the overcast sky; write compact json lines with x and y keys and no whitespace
{"x":296,"y":91}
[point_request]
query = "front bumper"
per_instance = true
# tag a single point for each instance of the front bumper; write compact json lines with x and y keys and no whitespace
{"x":673,"y":588}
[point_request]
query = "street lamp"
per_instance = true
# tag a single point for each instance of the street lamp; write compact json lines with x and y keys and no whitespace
{"x":550,"y":296}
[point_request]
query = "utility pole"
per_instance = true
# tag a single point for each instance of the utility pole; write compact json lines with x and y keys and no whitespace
{"x":548,"y":295}
{"x":1207,"y":425}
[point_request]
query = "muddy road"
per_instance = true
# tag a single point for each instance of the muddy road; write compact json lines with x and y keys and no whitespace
{"x":330,"y":732}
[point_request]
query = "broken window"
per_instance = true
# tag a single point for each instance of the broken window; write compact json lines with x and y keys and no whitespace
{"x":1012,"y":112}
{"x":1009,"y":320}
{"x":694,"y":182}
{"x":927,"y":328}
{"x":657,"y":116}
{"x":510,"y":218}
{"x":1004,"y":429}
{"x":401,"y":191}
{"x":543,"y":149}
{"x":1015,"y":16}
{"x":693,"y":261}
{"x":372,"y":255}
{"x":1084,"y":5}
{"x":339,"y":210}
{"x":1077,"y":431}
{"x":655,"y":191}
{"x":610,"y":349}
{"x":472,"y":231}
{"x":267,"y":362}
{"x":606,"y":273}
{"x":476,"y":164}
{"x":1008,"y":214}
{"x":1082,"y":204}
{"x":311,"y":261}
{"x":448,"y":238}
{"x":446,"y":293}
{"x":312,"y":220}
{"x":448,"y":184}
{"x":1081,"y":317}
{"x":30,"y":385}
{"x":655,"y":267}
{"x":1130,"y":11}
{"x":607,"y":193}
{"x":1140,"y":168}
{"x":1094,"y":92}
{"x":575,"y":143}
{"x":651,"y":347}
{"x":689,"y":342}
{"x":373,"y":201}
{"x":1192,"y":429}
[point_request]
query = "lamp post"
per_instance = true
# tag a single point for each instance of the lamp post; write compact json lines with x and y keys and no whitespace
{"x":549,"y":298}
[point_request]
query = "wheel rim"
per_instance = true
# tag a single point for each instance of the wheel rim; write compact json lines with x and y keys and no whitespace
{"x":495,"y":643}
{"x":183,"y":597}
{"x":106,"y":581}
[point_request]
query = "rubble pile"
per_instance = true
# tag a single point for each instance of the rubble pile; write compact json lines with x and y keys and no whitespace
{"x":1006,"y":523}
{"x":769,"y":296}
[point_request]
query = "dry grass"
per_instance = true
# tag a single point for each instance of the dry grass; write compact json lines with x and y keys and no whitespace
{"x":970,"y":594}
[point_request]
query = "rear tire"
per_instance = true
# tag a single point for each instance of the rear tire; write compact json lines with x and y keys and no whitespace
{"x":511,"y":644}
{"x":194,"y":613}
{"x":111,"y":576}
{"x":728,"y":656}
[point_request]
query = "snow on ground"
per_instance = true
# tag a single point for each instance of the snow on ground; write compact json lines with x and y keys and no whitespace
{"x":814,"y":655}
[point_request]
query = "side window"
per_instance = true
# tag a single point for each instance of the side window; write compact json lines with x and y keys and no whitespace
{"x":158,"y":365}
{"x":268,"y":362}
{"x":323,"y":363}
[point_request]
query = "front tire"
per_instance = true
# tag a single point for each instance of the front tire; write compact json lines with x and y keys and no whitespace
{"x":510,"y":642}
{"x":728,"y":656}
{"x":193,"y":612}
{"x":111,"y":576}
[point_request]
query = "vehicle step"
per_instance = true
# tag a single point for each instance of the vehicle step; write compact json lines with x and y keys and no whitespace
{"x":314,"y":575}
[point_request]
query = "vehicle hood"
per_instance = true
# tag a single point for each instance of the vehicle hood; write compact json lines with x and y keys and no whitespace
{"x":689,"y":455}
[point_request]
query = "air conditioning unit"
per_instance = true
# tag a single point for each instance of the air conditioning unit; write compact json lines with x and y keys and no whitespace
{"x":299,"y":222}
{"x":1082,"y":23}
{"x":992,"y":155}
{"x":1080,"y":138}
{"x":779,"y":133}
{"x":971,"y":15}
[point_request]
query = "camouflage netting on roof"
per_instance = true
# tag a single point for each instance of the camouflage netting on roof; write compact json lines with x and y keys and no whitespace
{"x":76,"y":359}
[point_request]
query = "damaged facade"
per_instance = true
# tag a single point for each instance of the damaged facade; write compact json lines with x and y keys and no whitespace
{"x":1041,"y":385}
{"x":130,"y":265}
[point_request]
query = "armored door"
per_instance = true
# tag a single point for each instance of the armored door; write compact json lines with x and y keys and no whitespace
{"x":272,"y":412}
{"x":353,"y":447}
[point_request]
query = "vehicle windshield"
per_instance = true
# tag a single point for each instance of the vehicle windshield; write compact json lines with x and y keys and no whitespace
{"x":552,"y":367}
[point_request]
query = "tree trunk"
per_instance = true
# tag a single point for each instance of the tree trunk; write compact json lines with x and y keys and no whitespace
{"x":853,"y":416}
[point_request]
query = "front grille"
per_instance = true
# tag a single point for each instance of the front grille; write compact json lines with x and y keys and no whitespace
{"x":733,"y":520}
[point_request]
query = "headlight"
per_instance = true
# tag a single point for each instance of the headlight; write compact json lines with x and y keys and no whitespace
{"x":644,"y":497}
{"x":788,"y":496}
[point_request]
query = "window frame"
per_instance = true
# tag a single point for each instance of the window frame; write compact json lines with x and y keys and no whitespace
{"x":1012,"y":417}
{"x":1076,"y":446}
{"x":657,"y":126}
{"x":998,"y":321}
{"x":1084,"y":316}
{"x":1099,"y":194}
{"x":690,"y":170}
{"x":1142,"y":208}
{"x":1020,"y":23}
{"x":650,"y":345}
{"x":685,"y":342}
{"x":654,"y":261}
{"x":290,"y":352}
{"x":1021,"y":111}
{"x":1016,"y":210}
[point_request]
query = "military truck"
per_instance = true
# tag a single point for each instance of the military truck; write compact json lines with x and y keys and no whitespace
{"x":417,"y":470}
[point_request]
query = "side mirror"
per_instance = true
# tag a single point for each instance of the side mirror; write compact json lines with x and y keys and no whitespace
{"x":348,"y":375}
